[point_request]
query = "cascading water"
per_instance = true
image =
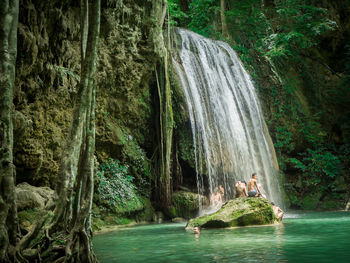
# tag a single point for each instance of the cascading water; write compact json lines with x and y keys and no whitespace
{"x":230,"y":136}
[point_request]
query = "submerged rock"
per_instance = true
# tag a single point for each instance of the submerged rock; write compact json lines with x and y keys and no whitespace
{"x":178,"y":220}
{"x":238,"y":212}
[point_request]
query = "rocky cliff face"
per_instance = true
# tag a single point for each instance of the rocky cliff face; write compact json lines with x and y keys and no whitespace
{"x":48,"y":68}
{"x":304,"y":99}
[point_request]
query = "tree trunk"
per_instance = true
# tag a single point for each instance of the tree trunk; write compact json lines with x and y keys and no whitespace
{"x":79,"y":247}
{"x":77,"y":165}
{"x":224,"y":29}
{"x":75,"y":145}
{"x":8,"y":55}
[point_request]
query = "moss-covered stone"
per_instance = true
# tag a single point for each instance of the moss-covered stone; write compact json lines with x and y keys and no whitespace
{"x":238,"y":212}
{"x":311,"y":200}
{"x":148,"y":211}
{"x":186,"y":204}
{"x":139,"y":210}
{"x":47,"y":77}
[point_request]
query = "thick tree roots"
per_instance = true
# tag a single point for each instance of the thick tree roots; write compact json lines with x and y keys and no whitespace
{"x":39,"y":245}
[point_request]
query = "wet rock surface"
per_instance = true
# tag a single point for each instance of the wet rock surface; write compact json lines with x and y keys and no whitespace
{"x":238,"y":212}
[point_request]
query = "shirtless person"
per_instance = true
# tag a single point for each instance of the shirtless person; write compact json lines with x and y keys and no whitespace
{"x":254,"y":187}
{"x":221,"y":191}
{"x":216,"y":198}
{"x":241,"y":189}
{"x":196,"y":230}
{"x":278,"y":211}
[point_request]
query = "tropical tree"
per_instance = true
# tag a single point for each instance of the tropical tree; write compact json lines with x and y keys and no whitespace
{"x":8,"y":54}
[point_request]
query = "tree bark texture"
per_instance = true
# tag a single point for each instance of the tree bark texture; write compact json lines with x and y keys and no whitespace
{"x":76,"y":143}
{"x":79,"y":246}
{"x":8,"y":55}
{"x":224,"y":29}
{"x":77,"y":165}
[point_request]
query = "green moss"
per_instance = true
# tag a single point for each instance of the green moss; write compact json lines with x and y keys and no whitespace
{"x":238,"y":212}
{"x":28,"y":217}
{"x":148,"y":211}
{"x":331,"y":205}
{"x":185,"y":204}
{"x":311,"y":200}
{"x":122,"y":221}
{"x":97,"y":224}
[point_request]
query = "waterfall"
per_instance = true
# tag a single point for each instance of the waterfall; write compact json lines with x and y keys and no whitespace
{"x":230,"y":137}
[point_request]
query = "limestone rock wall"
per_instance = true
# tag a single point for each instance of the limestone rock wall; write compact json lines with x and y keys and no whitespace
{"x":47,"y":77}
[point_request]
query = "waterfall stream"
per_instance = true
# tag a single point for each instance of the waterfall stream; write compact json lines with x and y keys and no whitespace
{"x":230,"y":136}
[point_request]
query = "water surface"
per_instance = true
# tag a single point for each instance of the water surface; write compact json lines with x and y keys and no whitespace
{"x":308,"y":237}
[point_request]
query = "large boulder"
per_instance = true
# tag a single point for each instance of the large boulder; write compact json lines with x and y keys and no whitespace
{"x":31,"y":197}
{"x":186,"y":204}
{"x":238,"y":212}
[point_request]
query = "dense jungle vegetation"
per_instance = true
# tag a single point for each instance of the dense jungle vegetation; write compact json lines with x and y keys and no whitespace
{"x":306,"y":44}
{"x":90,"y":107}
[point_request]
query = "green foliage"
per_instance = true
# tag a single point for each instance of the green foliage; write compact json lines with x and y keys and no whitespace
{"x":247,"y":22}
{"x":300,"y":24}
{"x":202,"y":14}
{"x":177,"y":16}
{"x":63,"y":72}
{"x":317,"y":164}
{"x":139,"y":163}
{"x":122,"y":221}
{"x":114,"y":187}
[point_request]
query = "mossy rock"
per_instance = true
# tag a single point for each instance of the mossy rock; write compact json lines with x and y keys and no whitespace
{"x":185,"y":204}
{"x":311,"y":201}
{"x":339,"y":184}
{"x":129,"y":206}
{"x":27,"y":218}
{"x":238,"y":212}
{"x":147,"y":213}
{"x":97,"y":224}
{"x":331,"y":205}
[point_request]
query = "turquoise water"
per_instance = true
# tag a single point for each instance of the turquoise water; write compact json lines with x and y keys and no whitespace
{"x":308,"y":237}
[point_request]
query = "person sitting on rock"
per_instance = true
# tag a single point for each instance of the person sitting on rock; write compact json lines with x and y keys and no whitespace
{"x":278,"y":211}
{"x":241,"y":189}
{"x":221,"y":191}
{"x":216,"y":199}
{"x":254,"y":187}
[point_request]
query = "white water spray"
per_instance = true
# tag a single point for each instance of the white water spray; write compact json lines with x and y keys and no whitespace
{"x":230,"y":136}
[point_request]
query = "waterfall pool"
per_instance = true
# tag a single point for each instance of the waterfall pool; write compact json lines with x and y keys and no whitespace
{"x":303,"y":237}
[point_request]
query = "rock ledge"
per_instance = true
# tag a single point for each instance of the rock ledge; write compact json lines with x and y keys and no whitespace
{"x":238,"y":212}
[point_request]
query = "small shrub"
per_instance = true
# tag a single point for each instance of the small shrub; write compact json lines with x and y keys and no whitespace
{"x":115,"y":189}
{"x":317,"y":165}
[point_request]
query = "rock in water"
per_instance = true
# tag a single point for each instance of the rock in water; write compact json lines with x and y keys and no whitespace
{"x":186,"y":205}
{"x":238,"y":212}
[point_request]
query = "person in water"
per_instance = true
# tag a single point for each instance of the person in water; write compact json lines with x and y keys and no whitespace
{"x":241,"y":189}
{"x":254,"y":187}
{"x":196,"y":230}
{"x":278,"y":211}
